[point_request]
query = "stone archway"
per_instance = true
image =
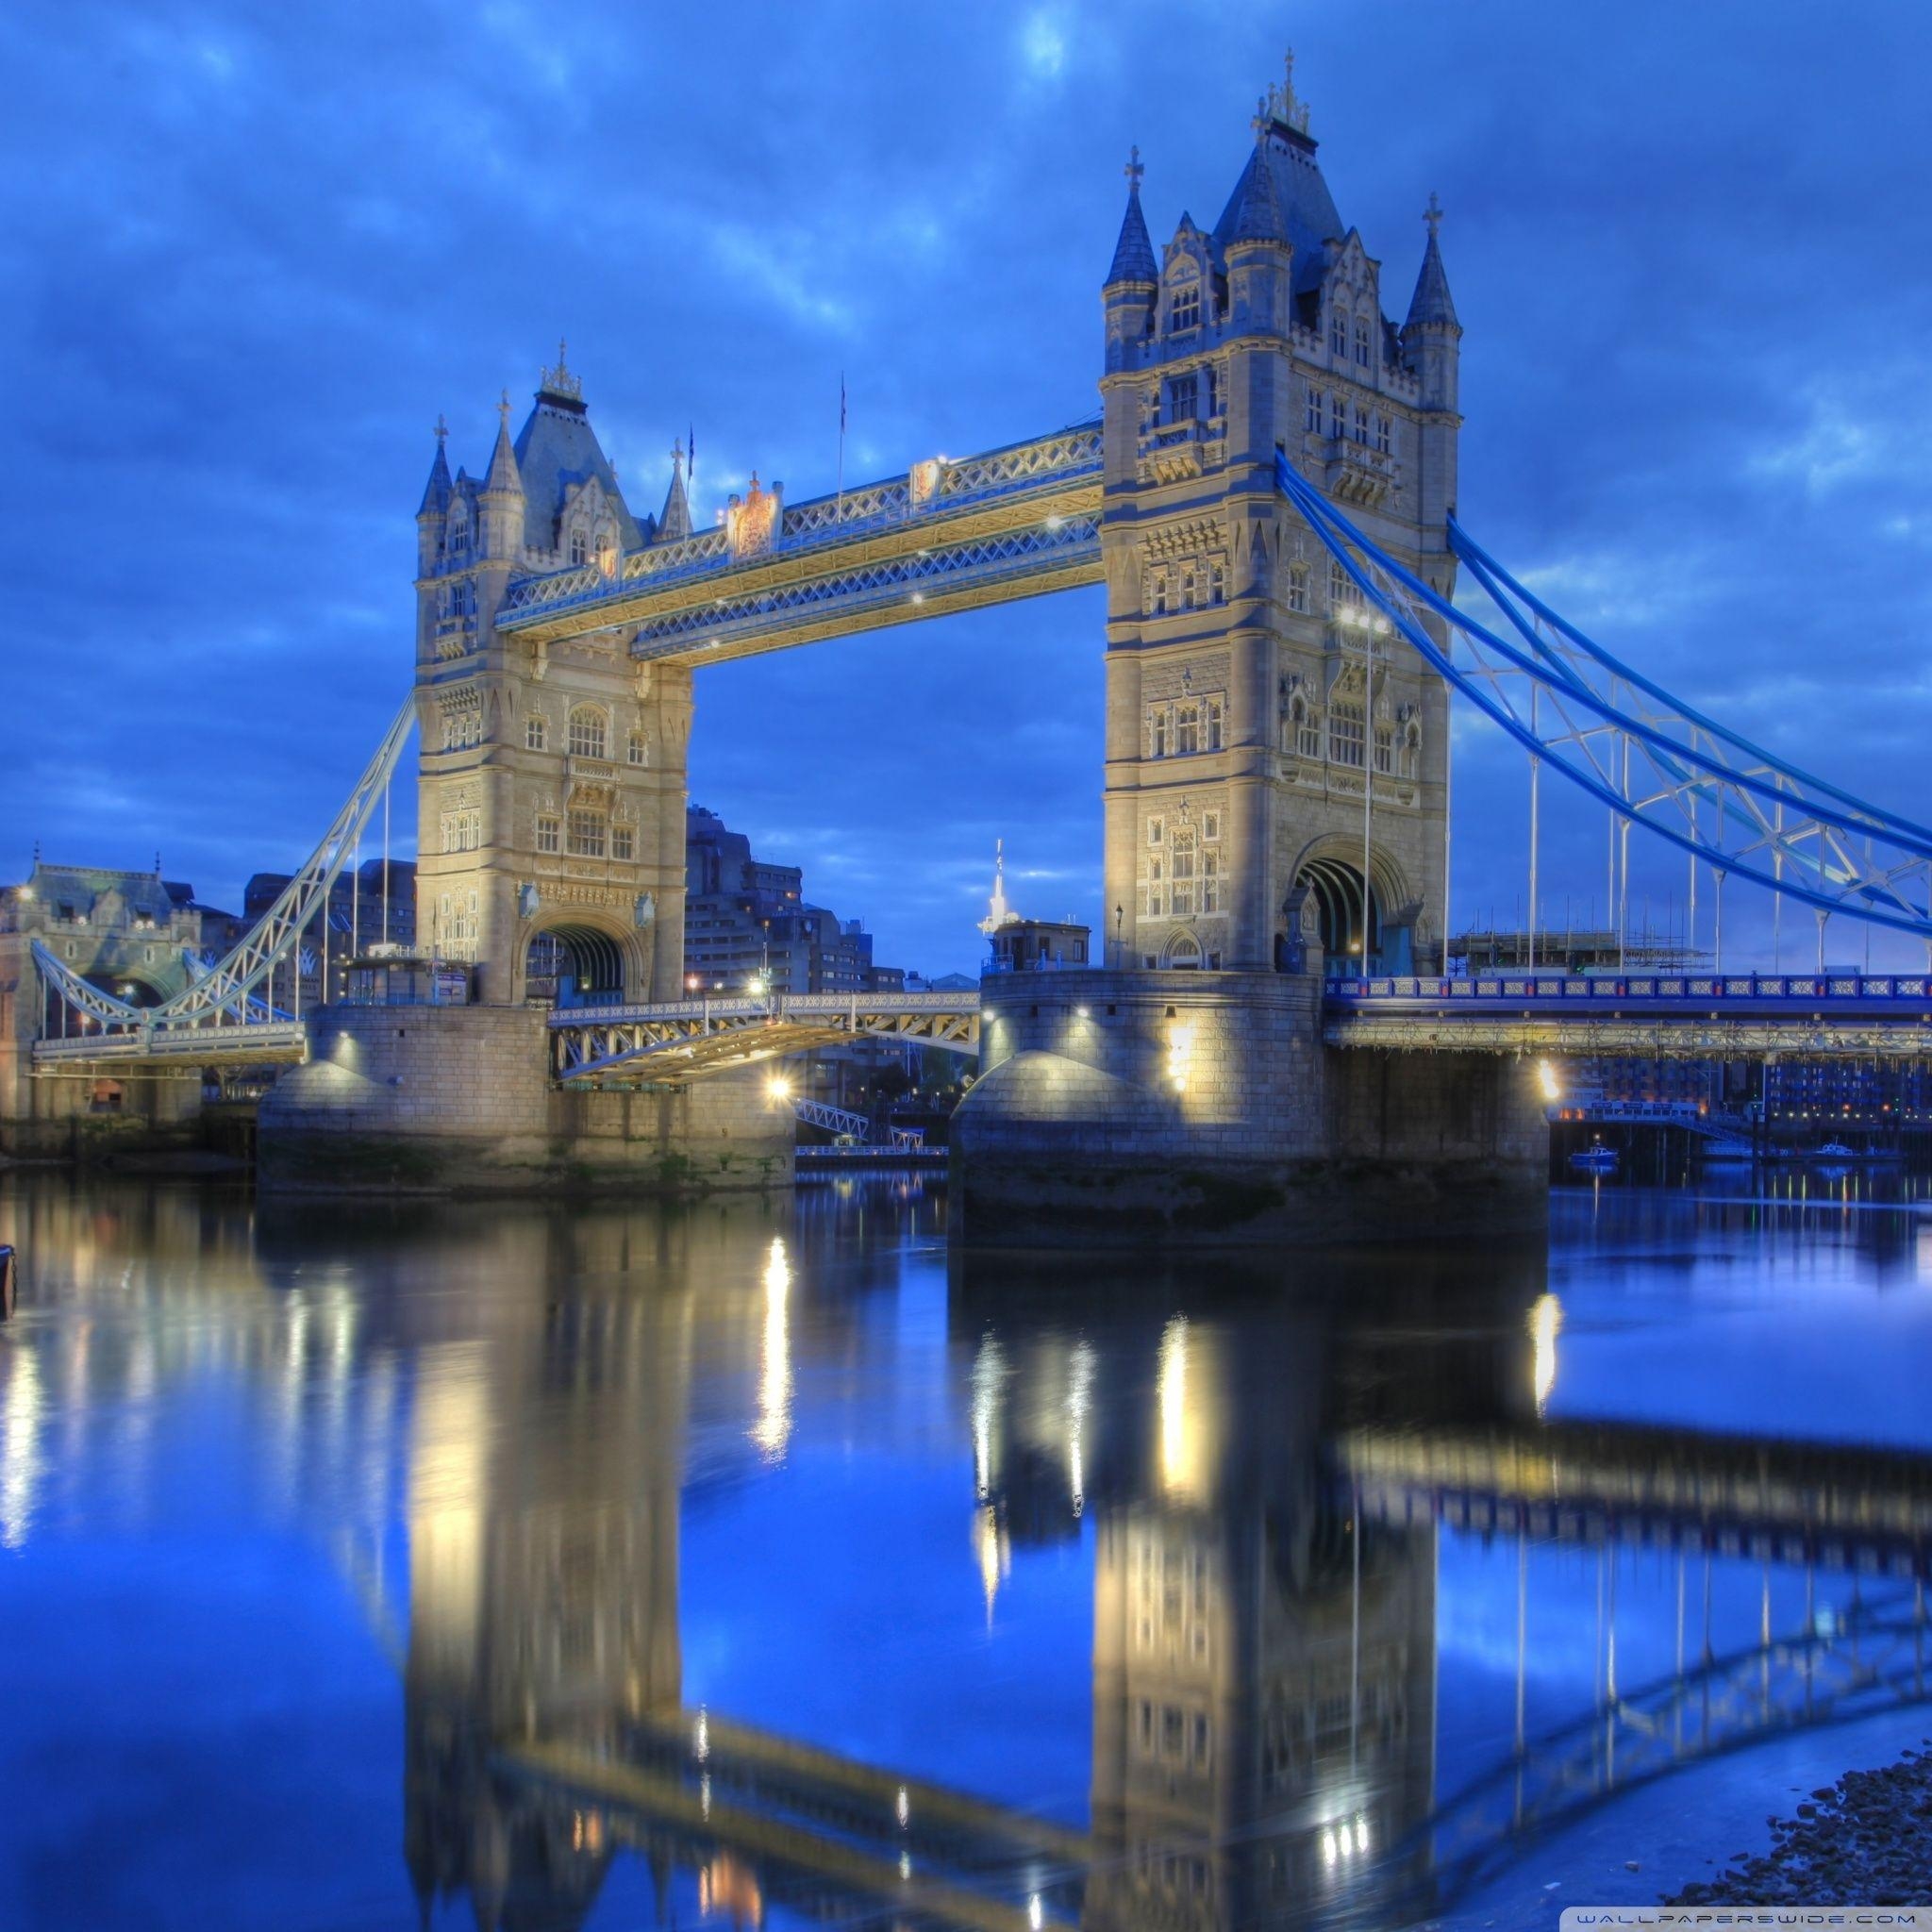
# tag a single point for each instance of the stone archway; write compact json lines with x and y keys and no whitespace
{"x":1332,"y":873}
{"x":575,"y":962}
{"x":1182,"y":952}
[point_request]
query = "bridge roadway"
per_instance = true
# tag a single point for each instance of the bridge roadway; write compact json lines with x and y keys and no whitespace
{"x":682,"y":1040}
{"x":1741,"y":1016}
{"x":947,"y":535}
{"x":1685,"y":1016}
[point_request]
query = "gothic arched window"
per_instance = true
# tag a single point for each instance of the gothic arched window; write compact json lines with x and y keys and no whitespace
{"x":1361,"y":340}
{"x":586,"y":736}
{"x":1184,"y":305}
{"x":536,"y":732}
{"x":579,"y":547}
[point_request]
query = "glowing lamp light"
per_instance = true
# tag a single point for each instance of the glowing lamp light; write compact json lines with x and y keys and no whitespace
{"x":1035,"y":1913}
{"x":1546,"y":1077}
{"x":779,"y":1088}
{"x":1080,"y":1012}
{"x":1180,"y":1049}
{"x":756,"y":986}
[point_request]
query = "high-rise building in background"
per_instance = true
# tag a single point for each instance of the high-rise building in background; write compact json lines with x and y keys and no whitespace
{"x":746,"y":922}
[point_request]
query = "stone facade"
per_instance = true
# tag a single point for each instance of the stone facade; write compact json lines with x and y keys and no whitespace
{"x":131,"y":934}
{"x":459,"y":1098}
{"x":1197,"y":1105}
{"x":1263,"y":726}
{"x":551,"y":793}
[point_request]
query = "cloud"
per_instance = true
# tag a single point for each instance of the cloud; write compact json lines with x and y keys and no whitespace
{"x":249,"y":261}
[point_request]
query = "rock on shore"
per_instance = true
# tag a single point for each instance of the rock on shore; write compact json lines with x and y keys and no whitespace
{"x":1866,"y":1841}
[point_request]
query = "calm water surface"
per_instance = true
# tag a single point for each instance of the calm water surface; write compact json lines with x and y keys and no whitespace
{"x":773,"y":1563}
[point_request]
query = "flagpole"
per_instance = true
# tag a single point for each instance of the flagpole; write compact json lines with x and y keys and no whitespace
{"x":840,"y":518}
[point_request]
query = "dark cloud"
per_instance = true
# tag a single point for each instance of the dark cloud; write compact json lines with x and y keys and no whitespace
{"x":250,"y":253}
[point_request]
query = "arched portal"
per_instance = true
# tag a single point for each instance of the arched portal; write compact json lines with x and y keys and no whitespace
{"x":567,"y":965}
{"x":1339,"y":908}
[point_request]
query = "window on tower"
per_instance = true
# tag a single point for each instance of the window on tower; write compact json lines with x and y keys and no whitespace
{"x":623,"y":843}
{"x":1383,"y":438}
{"x":638,"y":751}
{"x":1211,"y":882}
{"x":1215,"y":724}
{"x":1336,"y":408}
{"x":549,"y":833}
{"x":536,"y":732}
{"x":588,"y":835}
{"x":1183,"y":399}
{"x":1184,"y":305}
{"x":1187,"y":729}
{"x":1311,"y":421}
{"x":1361,"y":423}
{"x":579,"y":547}
{"x":1298,"y":587}
{"x":1338,"y":332}
{"x":1345,"y":732}
{"x":587,"y":733}
{"x":1361,"y":341}
{"x":1183,"y":855}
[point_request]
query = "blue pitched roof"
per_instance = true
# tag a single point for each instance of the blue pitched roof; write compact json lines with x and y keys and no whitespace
{"x":557,"y":450}
{"x":1133,"y":254}
{"x":1307,"y":209}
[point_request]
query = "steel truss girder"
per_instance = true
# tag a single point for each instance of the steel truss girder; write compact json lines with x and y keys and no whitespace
{"x":1652,"y":760}
{"x":686,"y":1039}
{"x":1749,"y":1015}
{"x":226,"y":992}
{"x":1034,"y":483}
{"x":262,"y":1042}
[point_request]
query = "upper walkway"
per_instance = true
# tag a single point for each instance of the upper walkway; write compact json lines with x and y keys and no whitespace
{"x":947,"y":535}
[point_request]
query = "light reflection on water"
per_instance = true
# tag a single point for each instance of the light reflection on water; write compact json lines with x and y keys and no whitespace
{"x":769,"y":1561}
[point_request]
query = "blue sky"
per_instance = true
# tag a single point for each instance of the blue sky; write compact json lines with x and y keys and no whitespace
{"x":250,"y":253}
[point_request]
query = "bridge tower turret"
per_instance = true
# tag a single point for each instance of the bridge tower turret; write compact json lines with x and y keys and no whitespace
{"x":551,"y":790}
{"x":1263,"y":730}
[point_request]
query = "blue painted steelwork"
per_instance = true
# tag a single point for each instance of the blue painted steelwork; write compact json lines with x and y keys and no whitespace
{"x":1652,"y":760}
{"x":1693,"y":995}
{"x":822,"y":525}
{"x":1008,"y":557}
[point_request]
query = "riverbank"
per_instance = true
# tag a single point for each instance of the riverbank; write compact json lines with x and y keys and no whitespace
{"x":1865,"y":1841}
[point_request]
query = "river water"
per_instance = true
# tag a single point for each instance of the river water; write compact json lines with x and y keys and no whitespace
{"x":775,"y":1562}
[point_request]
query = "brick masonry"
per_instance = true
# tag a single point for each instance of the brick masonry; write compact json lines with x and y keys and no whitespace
{"x":438,"y":1098}
{"x":1132,"y":1106}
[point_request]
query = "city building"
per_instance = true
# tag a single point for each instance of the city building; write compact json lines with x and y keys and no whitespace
{"x":1025,"y":945}
{"x":746,"y":922}
{"x":137,"y":937}
{"x":374,"y":905}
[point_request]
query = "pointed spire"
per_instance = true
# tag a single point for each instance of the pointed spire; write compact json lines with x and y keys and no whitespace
{"x":436,"y":491}
{"x":1133,"y":254}
{"x":676,"y":519}
{"x":998,"y":912}
{"x":1255,"y":211}
{"x":502,"y":473}
{"x":1431,"y":301}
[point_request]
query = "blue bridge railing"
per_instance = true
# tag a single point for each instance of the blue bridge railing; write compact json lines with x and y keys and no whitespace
{"x":1790,"y":989}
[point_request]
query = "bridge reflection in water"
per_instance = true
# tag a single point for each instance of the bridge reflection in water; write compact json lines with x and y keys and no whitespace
{"x":1274,"y":1502}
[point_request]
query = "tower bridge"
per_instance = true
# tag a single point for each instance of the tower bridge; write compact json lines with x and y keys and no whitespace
{"x":1268,"y":496}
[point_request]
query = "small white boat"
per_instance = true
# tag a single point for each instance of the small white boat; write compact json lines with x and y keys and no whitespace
{"x":1595,"y":1159}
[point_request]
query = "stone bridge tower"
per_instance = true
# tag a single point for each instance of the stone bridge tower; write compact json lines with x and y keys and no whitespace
{"x":1262,"y":726}
{"x":552,"y":778}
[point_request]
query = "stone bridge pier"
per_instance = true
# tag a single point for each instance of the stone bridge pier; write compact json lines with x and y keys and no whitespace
{"x":1129,"y":1106}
